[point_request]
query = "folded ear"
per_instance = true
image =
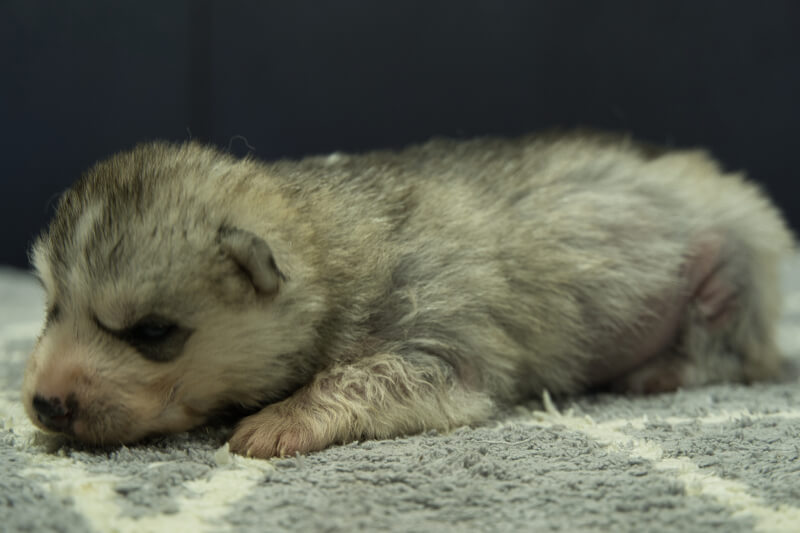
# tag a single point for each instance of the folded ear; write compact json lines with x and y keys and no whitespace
{"x":254,"y":257}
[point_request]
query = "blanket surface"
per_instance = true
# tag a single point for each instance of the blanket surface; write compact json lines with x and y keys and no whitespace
{"x":721,"y":458}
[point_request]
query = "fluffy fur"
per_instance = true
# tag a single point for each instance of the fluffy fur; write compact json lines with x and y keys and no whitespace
{"x":367,"y":296}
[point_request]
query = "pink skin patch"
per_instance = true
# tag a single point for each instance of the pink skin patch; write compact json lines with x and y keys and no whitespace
{"x":702,"y":282}
{"x":711,"y":291}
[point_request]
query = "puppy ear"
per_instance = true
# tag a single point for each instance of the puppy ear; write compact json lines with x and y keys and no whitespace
{"x":253,"y":256}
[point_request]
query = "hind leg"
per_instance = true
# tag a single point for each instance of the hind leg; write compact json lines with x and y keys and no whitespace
{"x":726,"y":332}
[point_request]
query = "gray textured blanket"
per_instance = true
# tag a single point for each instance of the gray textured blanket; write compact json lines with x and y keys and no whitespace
{"x":724,"y":458}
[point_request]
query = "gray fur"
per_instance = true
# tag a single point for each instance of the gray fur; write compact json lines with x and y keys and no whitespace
{"x":392,"y":292}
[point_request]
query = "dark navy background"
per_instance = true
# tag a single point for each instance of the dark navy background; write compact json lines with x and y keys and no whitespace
{"x":84,"y":79}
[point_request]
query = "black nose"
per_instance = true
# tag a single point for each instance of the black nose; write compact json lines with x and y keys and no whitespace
{"x":54,"y":413}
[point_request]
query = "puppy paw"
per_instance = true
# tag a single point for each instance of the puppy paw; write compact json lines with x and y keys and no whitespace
{"x":278,"y":432}
{"x":664,"y":373}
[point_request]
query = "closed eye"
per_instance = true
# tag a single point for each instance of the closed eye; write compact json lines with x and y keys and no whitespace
{"x":150,"y":332}
{"x":155,"y":338}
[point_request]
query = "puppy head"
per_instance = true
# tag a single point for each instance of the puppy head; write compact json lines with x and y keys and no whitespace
{"x":160,"y":309}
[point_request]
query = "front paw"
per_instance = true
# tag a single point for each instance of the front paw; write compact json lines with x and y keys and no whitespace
{"x":278,"y":431}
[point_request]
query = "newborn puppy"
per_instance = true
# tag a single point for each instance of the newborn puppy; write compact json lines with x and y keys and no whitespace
{"x":368,"y":296}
